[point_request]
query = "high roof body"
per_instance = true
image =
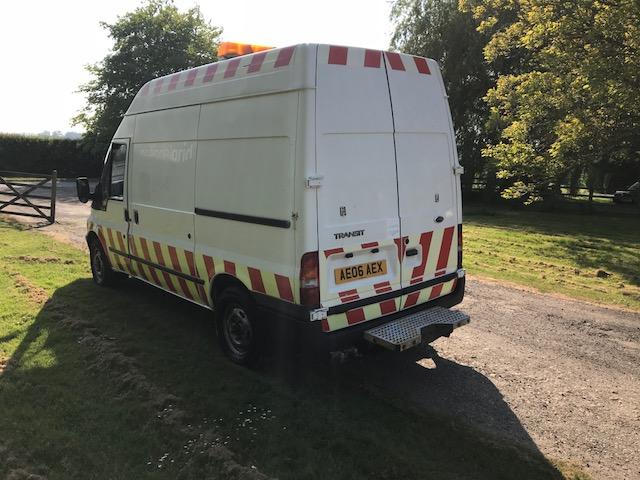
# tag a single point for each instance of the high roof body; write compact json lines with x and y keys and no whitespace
{"x":280,"y":69}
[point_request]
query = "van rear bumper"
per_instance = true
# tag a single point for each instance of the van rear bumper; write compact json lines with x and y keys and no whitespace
{"x":295,"y":320}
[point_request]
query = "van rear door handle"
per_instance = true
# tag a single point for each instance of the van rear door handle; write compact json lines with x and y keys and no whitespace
{"x":127,"y":218}
{"x":135,"y":216}
{"x":439,"y":219}
{"x":411,"y":252}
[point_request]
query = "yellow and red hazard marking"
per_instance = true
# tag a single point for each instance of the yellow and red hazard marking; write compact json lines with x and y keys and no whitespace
{"x":386,"y":307}
{"x":439,"y":255}
{"x":358,"y":57}
{"x":193,"y":274}
{"x":270,"y":59}
{"x":261,"y":62}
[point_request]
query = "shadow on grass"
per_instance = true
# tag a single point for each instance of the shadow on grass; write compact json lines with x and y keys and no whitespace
{"x":382,"y":417}
{"x":591,"y":242}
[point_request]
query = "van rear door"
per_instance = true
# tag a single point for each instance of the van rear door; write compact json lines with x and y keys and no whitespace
{"x":358,"y":217}
{"x":427,"y":184}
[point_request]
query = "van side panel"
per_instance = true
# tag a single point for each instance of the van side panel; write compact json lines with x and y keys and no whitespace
{"x":161,"y":178}
{"x":244,"y":192}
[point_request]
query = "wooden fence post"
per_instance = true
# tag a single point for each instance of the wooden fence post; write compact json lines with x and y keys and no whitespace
{"x":54,"y":184}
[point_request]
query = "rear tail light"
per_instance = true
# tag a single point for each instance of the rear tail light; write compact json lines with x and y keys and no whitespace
{"x":310,"y":280}
{"x":459,"y":246}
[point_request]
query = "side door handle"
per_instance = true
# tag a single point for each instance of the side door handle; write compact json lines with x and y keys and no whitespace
{"x":127,"y":218}
{"x":411,"y":252}
{"x":136,"y":218}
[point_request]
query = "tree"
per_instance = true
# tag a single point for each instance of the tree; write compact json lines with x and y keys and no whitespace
{"x":438,"y":29}
{"x":573,"y":105}
{"x":155,"y":39}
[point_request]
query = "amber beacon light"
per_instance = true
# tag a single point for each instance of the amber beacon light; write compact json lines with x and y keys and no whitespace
{"x":234,"y":49}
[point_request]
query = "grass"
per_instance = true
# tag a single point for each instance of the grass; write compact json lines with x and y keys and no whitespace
{"x":558,"y":252}
{"x":128,"y":383}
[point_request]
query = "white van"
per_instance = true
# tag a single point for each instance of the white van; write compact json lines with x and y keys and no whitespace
{"x":317,"y":182}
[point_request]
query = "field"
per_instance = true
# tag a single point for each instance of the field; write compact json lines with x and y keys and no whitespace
{"x":589,"y":257}
{"x":129,"y":383}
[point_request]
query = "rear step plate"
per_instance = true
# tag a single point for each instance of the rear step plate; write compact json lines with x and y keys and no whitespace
{"x":413,"y":329}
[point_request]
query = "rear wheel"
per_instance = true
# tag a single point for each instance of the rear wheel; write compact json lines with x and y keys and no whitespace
{"x":103,"y":274}
{"x":238,"y":331}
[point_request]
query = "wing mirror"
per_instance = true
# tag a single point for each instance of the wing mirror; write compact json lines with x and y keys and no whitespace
{"x":82,"y":187}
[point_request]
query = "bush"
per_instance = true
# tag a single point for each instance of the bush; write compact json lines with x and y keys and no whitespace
{"x":71,"y":158}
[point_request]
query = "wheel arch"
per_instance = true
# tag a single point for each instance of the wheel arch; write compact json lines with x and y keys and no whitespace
{"x":223,"y":281}
{"x":90,"y":237}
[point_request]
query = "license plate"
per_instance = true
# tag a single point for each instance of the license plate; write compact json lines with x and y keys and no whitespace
{"x":358,"y":272}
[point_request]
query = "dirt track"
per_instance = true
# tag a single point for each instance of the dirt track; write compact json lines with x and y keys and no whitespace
{"x":553,"y":374}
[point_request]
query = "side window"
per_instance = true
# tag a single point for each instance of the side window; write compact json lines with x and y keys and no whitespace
{"x":118,"y":168}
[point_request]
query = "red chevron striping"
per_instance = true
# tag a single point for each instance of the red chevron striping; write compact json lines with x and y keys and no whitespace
{"x":284,"y":57}
{"x":232,"y":67}
{"x":112,"y":244}
{"x":421,"y":65}
{"x":369,"y":245}
{"x":325,"y":325}
{"x":147,"y":257}
{"x":230,"y":268}
{"x":338,"y":55}
{"x":136,"y":267}
{"x":372,"y":58}
{"x":331,"y":251}
{"x":387,"y":307}
{"x":437,"y":290}
{"x":192,"y":267}
{"x":400,"y":246}
{"x":445,"y":248}
{"x":120,"y":241}
{"x":103,"y":242}
{"x":411,"y":300}
{"x":173,"y":81}
{"x":166,"y":276}
{"x":173,"y":254}
{"x":425,"y":243}
{"x":348,"y":293}
{"x":211,"y":71}
{"x":284,"y":287}
{"x":256,"y":280}
{"x":157,"y":86}
{"x":191,"y":77}
{"x":256,"y":62}
{"x":209,"y":265}
{"x":203,"y":294}
{"x":395,"y":60}
{"x":382,"y":287}
{"x":355,"y":316}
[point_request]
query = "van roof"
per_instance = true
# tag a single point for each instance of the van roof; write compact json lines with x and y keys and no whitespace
{"x":279,"y":69}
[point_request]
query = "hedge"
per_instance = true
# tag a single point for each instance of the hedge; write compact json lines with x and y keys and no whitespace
{"x":42,"y":155}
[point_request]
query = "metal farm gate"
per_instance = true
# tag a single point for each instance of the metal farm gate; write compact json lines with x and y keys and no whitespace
{"x":17,"y":190}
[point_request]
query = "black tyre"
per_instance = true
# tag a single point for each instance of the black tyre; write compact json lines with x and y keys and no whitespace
{"x":238,"y":330}
{"x":101,"y":270}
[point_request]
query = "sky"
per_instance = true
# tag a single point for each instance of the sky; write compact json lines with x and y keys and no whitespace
{"x":45,"y":45}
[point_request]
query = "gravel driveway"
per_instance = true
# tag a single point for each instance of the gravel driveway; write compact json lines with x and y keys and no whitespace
{"x":553,"y":374}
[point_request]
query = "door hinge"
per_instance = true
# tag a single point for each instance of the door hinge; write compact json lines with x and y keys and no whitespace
{"x":458,"y":170}
{"x":314,"y":181}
